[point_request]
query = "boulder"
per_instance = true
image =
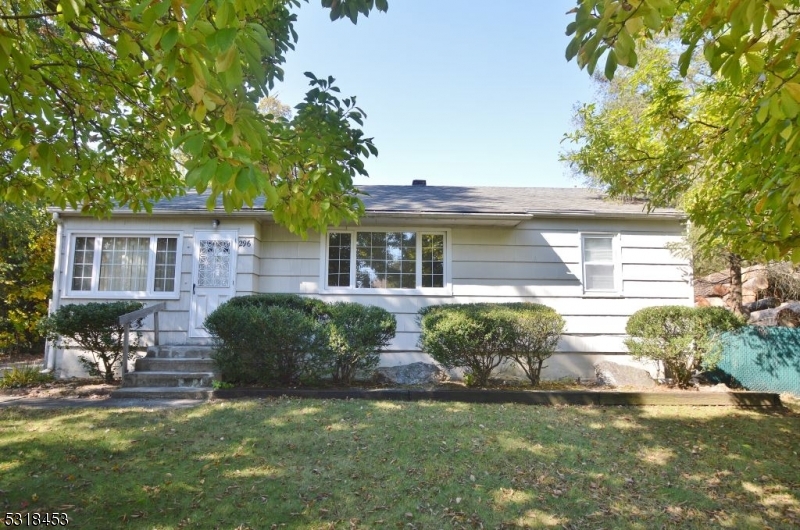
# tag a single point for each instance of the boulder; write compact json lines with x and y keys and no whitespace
{"x":769,"y":317}
{"x":619,"y":375}
{"x":411,"y":374}
{"x":788,"y":317}
{"x":764,"y":303}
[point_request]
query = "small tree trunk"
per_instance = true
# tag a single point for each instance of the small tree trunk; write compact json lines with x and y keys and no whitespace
{"x":735,"y":263}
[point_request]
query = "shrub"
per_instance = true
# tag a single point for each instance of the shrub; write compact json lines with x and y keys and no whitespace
{"x":24,"y":376}
{"x":479,"y":337}
{"x":536,"y":330}
{"x":467,"y":336}
{"x":310,"y":306}
{"x":262,"y":343}
{"x":357,"y":334}
{"x":94,"y":328}
{"x":683,"y":338}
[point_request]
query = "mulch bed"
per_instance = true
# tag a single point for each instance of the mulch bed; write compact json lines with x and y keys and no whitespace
{"x":562,"y":392}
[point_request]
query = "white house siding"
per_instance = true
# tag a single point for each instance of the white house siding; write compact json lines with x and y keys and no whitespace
{"x":537,"y":261}
{"x":174,"y":322}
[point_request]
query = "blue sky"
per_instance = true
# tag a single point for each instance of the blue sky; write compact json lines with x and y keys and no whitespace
{"x":457,"y":93}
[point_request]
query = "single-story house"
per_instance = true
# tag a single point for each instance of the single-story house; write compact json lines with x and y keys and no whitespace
{"x":594,"y":261}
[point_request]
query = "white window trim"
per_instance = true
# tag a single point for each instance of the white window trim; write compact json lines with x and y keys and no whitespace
{"x":149,"y":294}
{"x":447,"y":290}
{"x":617,"y":256}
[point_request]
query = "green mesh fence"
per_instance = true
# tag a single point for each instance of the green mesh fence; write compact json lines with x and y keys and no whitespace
{"x":766,"y":359}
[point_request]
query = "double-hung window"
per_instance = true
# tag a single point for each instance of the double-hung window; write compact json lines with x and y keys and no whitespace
{"x":129,"y":265}
{"x":377,"y":259}
{"x":602,"y":271}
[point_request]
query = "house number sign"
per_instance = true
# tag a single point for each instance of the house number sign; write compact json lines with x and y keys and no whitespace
{"x":246,"y":245}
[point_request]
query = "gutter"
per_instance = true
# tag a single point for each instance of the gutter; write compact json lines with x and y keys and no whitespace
{"x":49,"y":349}
{"x":609,"y":215}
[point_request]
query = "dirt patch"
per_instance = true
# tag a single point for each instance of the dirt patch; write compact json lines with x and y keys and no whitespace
{"x":80,"y":388}
{"x":72,"y":388}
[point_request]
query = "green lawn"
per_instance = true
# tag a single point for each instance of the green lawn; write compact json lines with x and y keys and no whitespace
{"x":364,"y":464}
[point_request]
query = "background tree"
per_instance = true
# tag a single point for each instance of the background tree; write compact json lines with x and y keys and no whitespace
{"x":97,"y":97}
{"x":745,"y":189}
{"x":650,"y":135}
{"x":27,"y":243}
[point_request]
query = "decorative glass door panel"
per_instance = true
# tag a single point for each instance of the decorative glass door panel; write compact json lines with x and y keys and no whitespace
{"x":214,"y":263}
{"x":214,"y":274}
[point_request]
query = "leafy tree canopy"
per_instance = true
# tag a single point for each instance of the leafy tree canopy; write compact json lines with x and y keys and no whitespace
{"x":731,"y":144}
{"x":27,"y":248}
{"x":101,"y":101}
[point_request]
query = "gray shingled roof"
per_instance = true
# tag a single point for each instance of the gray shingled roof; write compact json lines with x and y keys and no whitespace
{"x":467,"y":200}
{"x":495,"y":200}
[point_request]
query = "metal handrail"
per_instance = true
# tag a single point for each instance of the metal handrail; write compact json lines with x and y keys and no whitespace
{"x":125,"y":321}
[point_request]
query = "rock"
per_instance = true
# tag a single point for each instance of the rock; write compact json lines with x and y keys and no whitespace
{"x":701,"y":301}
{"x":410,"y":374}
{"x":764,"y":303}
{"x":788,"y":317}
{"x":618,"y":375}
{"x":721,"y":289}
{"x":719,"y":387}
{"x":769,"y":317}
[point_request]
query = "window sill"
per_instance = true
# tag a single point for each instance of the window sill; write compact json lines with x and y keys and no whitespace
{"x":603,"y":295}
{"x":121,"y":296}
{"x":438,"y":291}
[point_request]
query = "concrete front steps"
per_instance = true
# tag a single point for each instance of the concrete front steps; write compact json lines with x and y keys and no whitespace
{"x":171,"y":372}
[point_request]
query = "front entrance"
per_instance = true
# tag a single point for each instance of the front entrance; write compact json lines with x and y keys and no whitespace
{"x":213,"y":275}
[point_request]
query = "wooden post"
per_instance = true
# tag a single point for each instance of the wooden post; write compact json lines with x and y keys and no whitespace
{"x":155,"y":328}
{"x":124,"y":365}
{"x":125,"y":321}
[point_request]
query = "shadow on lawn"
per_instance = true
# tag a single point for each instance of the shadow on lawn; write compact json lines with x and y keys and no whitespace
{"x":344,"y":464}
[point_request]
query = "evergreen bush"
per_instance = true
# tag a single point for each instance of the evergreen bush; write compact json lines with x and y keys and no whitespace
{"x":684,"y":338}
{"x":479,"y":337}
{"x":536,"y":331}
{"x":94,"y":328}
{"x":357,"y":334}
{"x":267,"y":344}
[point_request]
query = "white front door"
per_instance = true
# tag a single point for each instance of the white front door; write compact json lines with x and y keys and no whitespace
{"x":213,"y":275}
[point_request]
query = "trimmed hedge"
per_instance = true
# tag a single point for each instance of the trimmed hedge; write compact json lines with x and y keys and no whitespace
{"x":537,"y":329}
{"x":94,"y":328}
{"x":479,"y":337}
{"x":357,"y":334}
{"x":288,"y":339}
{"x":684,"y":338}
{"x":312,"y":307}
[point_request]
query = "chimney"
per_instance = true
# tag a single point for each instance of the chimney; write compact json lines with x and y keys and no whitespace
{"x":419,"y":182}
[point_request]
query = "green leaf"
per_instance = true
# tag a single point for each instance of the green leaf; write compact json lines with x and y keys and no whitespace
{"x":793,"y":89}
{"x":194,"y":145}
{"x":71,"y":9}
{"x":243,"y":182}
{"x":572,"y":48}
{"x":652,"y":19}
{"x":225,"y":60}
{"x":201,"y":174}
{"x":221,"y":40}
{"x":260,"y":35}
{"x":755,"y":62}
{"x":611,"y":64}
{"x":169,"y":39}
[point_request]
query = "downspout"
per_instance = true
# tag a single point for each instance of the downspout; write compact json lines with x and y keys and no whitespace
{"x":55,"y":301}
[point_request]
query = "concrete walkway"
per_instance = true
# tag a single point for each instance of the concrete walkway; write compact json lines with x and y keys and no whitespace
{"x":104,"y":402}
